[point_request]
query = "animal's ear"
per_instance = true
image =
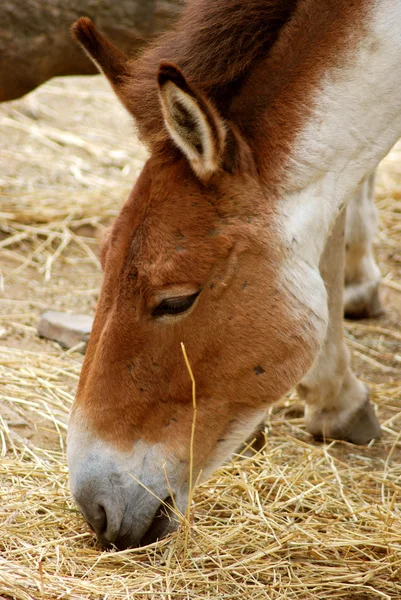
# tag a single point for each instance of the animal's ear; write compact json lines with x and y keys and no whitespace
{"x":193,"y":123}
{"x":108,"y":59}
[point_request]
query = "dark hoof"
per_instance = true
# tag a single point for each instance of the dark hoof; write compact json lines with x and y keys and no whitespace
{"x":362,"y":427}
{"x":363,"y":308}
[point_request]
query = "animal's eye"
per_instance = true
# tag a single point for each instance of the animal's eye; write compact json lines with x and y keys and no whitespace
{"x":174,"y":306}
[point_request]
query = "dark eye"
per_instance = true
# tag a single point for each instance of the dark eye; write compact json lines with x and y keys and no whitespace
{"x":174,"y":306}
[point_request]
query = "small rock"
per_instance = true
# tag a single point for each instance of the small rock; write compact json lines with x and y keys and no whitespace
{"x":65,"y":328}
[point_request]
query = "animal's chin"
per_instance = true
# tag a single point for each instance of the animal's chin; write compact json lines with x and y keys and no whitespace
{"x":163,"y":523}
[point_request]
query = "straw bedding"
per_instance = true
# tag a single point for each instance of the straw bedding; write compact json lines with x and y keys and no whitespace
{"x":296,"y":520}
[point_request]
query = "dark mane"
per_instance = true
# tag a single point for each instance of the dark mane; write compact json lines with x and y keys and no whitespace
{"x":215,"y":42}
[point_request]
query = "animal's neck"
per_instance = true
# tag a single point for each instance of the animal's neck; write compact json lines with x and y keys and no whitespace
{"x":329,"y":110}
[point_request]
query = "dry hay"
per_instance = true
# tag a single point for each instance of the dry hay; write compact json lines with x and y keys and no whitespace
{"x":297,"y":520}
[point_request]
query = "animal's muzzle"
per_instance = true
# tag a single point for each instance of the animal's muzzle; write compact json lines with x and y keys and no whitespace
{"x":126,"y":498}
{"x":163,"y":523}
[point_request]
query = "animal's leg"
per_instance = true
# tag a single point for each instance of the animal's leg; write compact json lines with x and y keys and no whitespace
{"x":336,"y":402}
{"x":362,"y":275}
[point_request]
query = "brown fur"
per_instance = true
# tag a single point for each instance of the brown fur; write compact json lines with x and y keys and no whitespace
{"x":227,"y":51}
{"x":259,"y":63}
{"x":215,"y":44}
{"x":134,"y":380}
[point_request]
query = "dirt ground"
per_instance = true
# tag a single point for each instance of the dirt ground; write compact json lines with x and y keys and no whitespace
{"x":68,"y":158}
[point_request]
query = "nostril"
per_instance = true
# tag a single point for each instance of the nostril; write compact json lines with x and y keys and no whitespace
{"x":102,"y":519}
{"x":98,"y":522}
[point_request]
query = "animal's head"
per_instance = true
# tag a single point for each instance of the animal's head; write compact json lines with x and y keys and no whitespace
{"x":197,"y":256}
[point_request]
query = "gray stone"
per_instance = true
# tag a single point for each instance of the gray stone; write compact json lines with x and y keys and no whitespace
{"x":65,"y":328}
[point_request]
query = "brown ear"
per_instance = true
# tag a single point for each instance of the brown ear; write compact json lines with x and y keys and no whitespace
{"x":108,"y":59}
{"x":192,"y":121}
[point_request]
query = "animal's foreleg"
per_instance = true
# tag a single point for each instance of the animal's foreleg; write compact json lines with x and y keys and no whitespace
{"x":336,"y":403}
{"x":362,"y":275}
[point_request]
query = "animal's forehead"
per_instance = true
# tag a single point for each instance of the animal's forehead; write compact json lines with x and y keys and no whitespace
{"x":168,"y":249}
{"x":173,"y":228}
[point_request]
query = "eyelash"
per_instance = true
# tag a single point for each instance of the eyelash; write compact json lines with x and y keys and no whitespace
{"x":174,"y":306}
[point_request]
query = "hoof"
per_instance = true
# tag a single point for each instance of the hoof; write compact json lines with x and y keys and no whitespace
{"x":362,"y":301}
{"x":361,"y":428}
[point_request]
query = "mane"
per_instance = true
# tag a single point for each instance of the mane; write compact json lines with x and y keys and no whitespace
{"x":215,"y":42}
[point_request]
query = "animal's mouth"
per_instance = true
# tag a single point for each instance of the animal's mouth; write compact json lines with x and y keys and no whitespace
{"x":164,"y":522}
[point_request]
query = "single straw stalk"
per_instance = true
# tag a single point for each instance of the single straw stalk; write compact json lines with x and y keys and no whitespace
{"x":191,"y":444}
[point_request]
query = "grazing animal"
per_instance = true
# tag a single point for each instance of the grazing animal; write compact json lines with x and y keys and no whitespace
{"x":262,"y":119}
